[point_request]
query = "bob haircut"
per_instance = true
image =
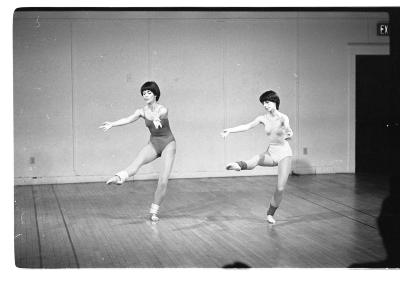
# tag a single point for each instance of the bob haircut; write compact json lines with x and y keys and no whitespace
{"x":151,"y":86}
{"x":270,"y":96}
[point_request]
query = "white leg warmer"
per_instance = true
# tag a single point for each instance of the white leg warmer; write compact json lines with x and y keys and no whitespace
{"x":154,"y":208}
{"x":123,"y":175}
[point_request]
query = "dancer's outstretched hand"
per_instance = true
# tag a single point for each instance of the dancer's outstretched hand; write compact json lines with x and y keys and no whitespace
{"x":106,"y":126}
{"x":157,"y":123}
{"x":225,"y":133}
{"x":288,"y":134}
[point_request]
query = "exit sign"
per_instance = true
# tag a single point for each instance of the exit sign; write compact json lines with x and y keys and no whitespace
{"x":383,"y":29}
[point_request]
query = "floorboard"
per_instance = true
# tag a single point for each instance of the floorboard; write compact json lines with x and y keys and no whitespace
{"x":326,"y":221}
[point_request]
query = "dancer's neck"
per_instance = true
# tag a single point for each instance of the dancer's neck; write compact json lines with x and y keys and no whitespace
{"x":152,"y":106}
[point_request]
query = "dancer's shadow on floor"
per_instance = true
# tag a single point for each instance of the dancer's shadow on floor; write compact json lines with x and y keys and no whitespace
{"x":302,"y":167}
{"x":237,"y":265}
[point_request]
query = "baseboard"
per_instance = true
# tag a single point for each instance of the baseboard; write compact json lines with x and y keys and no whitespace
{"x":152,"y":176}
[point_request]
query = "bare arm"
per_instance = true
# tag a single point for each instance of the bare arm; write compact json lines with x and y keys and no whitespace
{"x":242,"y":128}
{"x":289,"y":132}
{"x":163,"y":112}
{"x":132,"y":118}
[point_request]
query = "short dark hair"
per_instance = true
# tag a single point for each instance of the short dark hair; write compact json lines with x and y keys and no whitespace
{"x":151,"y":86}
{"x":270,"y":96}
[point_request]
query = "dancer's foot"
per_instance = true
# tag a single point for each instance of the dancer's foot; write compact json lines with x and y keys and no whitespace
{"x":271,"y":219}
{"x":154,"y":218}
{"x":119,"y":178}
{"x":233,"y":166}
{"x":115,"y":180}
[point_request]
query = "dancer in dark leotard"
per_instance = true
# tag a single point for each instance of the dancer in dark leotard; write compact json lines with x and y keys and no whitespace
{"x":160,"y":137}
{"x":162,"y":142}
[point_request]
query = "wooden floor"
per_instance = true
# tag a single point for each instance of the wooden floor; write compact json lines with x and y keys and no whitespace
{"x":324,"y":221}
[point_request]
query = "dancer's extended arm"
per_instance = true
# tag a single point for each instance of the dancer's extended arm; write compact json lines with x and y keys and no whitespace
{"x":132,"y":118}
{"x":242,"y":128}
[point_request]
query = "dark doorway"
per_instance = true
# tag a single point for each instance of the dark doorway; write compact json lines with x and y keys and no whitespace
{"x":373,"y":78}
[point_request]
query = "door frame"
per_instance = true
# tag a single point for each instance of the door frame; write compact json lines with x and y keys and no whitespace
{"x":354,"y":49}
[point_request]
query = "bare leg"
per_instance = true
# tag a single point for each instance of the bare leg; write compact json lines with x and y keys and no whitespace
{"x":284,"y":168}
{"x":169,"y":157}
{"x":169,"y":154}
{"x":262,"y":159}
{"x":146,"y":155}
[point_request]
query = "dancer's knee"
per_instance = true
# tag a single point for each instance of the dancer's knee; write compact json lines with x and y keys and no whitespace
{"x":243,"y":165}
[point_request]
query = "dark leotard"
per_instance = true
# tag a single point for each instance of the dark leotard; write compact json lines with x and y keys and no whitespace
{"x":160,"y":137}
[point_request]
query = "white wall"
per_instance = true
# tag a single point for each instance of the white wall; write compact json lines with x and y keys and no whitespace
{"x":72,"y":71}
{"x":43,"y":127}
